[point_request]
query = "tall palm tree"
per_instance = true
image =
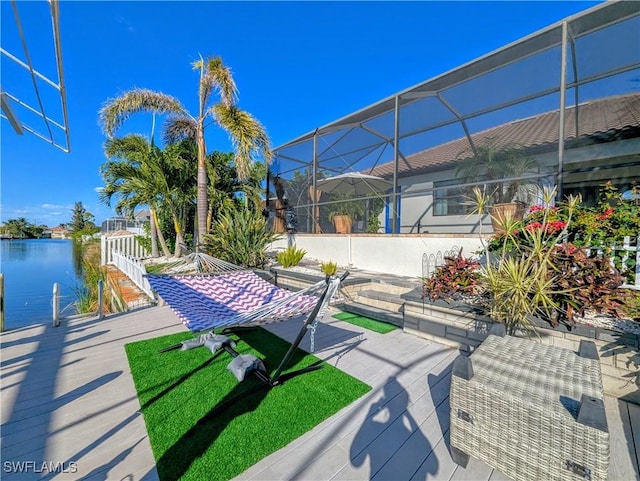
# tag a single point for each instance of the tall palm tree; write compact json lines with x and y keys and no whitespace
{"x":247,"y":134}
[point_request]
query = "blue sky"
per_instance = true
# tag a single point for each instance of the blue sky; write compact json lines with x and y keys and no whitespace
{"x":298,"y":66}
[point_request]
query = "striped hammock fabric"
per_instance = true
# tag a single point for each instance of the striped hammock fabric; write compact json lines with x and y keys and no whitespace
{"x":204,"y":302}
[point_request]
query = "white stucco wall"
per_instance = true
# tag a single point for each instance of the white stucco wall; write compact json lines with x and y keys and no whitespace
{"x":399,"y":255}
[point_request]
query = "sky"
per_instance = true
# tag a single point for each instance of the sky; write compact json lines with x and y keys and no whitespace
{"x":297,"y":65}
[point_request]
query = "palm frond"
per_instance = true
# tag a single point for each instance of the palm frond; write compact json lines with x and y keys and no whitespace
{"x":179,"y":127}
{"x":218,"y":76}
{"x":125,"y":147}
{"x":116,"y":111}
{"x":247,"y":134}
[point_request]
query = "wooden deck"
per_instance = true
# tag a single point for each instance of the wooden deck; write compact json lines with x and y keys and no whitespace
{"x":68,"y":399}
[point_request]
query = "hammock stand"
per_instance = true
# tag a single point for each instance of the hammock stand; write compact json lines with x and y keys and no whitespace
{"x":287,"y":305}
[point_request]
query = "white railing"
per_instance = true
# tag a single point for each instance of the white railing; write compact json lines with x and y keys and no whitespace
{"x":134,"y":269}
{"x":124,"y":244}
{"x":628,"y":251}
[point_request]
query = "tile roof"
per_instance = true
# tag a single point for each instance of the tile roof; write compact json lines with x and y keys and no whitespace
{"x":601,"y":116}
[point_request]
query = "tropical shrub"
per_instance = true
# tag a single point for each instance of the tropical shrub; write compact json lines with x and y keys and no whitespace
{"x":458,"y":277}
{"x":92,"y":272}
{"x":602,"y":226}
{"x":538,"y":272}
{"x":290,"y":257}
{"x":239,"y":235}
{"x":329,"y":268}
{"x":584,"y":281}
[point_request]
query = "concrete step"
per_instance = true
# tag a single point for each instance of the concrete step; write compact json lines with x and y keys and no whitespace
{"x":382,"y":300}
{"x":373,"y":312}
{"x":394,"y":286}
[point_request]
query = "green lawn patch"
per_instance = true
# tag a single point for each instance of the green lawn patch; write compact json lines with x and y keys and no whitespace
{"x":179,"y":389}
{"x":367,"y":323}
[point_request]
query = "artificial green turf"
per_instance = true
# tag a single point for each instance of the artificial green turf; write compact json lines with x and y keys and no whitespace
{"x":179,"y":389}
{"x":367,"y":323}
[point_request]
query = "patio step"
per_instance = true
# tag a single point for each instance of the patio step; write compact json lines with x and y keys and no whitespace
{"x":382,"y":315}
{"x":387,"y":301}
{"x":394,"y":286}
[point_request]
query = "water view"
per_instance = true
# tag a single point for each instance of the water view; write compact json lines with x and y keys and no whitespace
{"x":30,"y":269}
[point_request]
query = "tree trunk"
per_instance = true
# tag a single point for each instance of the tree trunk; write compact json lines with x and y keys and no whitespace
{"x":279,"y":218}
{"x":179,"y":241}
{"x":202,"y":204}
{"x":154,"y":234}
{"x":165,"y":249}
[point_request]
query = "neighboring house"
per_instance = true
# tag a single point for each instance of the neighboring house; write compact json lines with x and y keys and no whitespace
{"x":602,"y":144}
{"x":60,"y":232}
{"x":135,"y":225}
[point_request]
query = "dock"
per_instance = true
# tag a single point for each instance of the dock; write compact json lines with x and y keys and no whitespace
{"x":69,"y":404}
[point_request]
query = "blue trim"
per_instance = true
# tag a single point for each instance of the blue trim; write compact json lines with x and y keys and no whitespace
{"x":387,"y":215}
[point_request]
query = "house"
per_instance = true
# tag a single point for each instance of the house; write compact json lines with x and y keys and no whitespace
{"x":602,"y":143}
{"x":566,"y":95}
{"x":134,"y":225}
{"x":60,"y":232}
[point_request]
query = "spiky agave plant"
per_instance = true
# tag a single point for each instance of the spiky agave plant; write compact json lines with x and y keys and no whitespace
{"x":290,"y":257}
{"x":240,"y":236}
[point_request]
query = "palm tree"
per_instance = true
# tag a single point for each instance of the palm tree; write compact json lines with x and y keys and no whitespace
{"x":224,"y":184}
{"x":493,"y":161}
{"x":134,"y":178}
{"x":247,"y":134}
{"x":17,"y":227}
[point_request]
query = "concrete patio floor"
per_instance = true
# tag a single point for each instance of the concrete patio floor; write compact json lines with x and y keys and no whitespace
{"x":68,"y":400}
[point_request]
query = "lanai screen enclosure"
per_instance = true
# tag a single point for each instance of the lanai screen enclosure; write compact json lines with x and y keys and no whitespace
{"x":564,"y":102}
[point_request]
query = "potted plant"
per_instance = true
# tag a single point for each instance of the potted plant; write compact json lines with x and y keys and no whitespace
{"x":492,"y":163}
{"x":343,"y":214}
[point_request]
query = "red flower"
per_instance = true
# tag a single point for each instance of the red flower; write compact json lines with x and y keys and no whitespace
{"x":555,"y":226}
{"x":533,"y":226}
{"x":606,"y":214}
{"x":535,"y":208}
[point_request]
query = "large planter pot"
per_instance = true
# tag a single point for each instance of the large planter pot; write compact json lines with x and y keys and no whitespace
{"x":342,"y":223}
{"x":500,"y":212}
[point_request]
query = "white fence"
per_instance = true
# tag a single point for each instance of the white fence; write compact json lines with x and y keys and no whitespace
{"x":627,"y":252}
{"x":127,"y":245}
{"x":134,"y":269}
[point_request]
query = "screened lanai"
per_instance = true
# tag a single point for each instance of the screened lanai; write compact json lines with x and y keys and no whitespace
{"x":562,"y":103}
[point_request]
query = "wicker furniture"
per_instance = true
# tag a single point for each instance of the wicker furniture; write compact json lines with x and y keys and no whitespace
{"x":532,"y":411}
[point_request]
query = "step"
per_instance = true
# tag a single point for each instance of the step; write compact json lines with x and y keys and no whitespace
{"x":395,"y":286}
{"x":387,"y":301}
{"x":382,"y":315}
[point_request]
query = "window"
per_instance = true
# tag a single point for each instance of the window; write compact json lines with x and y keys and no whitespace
{"x":449,"y":199}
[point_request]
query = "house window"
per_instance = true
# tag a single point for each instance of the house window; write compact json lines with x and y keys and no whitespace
{"x":449,"y":199}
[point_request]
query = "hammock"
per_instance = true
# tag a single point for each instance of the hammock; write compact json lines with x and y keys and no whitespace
{"x":240,"y":298}
{"x":233,"y":298}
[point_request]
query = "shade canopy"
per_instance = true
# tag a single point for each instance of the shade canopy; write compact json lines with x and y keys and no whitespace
{"x":354,"y":183}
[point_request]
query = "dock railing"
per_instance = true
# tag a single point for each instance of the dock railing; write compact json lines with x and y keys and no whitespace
{"x":134,"y":269}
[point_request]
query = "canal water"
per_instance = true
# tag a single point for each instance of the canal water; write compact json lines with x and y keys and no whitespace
{"x":30,"y":268}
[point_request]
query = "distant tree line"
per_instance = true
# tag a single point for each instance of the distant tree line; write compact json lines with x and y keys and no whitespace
{"x":21,"y":228}
{"x":81,"y":224}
